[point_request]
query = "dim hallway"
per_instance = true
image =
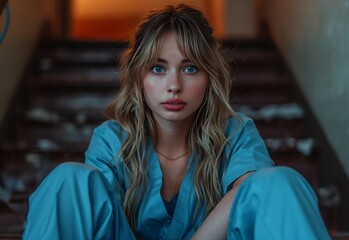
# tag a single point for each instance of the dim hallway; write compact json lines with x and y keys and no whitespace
{"x":62,"y":94}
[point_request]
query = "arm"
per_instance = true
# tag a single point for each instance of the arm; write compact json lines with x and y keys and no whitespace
{"x":215,"y":225}
{"x":247,"y":153}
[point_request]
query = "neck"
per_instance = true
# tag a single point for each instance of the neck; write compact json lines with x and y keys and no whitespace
{"x":172,"y":138}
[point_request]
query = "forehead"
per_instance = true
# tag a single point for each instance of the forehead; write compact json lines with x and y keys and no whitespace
{"x":169,"y":44}
{"x":169,"y":48}
{"x":169,"y":39}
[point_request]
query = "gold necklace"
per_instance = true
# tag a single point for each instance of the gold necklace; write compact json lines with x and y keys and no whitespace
{"x":171,"y":159}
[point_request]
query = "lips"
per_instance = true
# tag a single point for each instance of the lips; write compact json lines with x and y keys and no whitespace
{"x":174,"y":104}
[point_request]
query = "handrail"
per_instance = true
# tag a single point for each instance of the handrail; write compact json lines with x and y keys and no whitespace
{"x":2,"y":5}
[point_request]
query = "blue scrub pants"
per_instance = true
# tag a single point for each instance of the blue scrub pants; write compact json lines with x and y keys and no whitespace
{"x":75,"y":201}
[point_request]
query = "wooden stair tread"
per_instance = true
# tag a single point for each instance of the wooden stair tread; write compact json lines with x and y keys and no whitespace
{"x":266,"y":79}
{"x":256,"y":99}
{"x":106,"y":76}
{"x":23,"y":146}
{"x":89,"y":101}
{"x":11,"y":224}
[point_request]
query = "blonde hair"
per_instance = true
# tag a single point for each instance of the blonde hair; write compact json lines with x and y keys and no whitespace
{"x":206,"y":137}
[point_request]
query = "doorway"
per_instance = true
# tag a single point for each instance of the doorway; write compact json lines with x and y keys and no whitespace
{"x":114,"y":19}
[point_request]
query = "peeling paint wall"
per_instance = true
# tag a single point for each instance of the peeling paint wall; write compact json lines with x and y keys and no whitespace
{"x":314,"y":37}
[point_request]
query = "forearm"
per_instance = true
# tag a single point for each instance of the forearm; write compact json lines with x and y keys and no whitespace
{"x":215,"y":225}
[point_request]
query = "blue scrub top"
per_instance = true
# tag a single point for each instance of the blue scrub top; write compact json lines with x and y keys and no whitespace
{"x":245,"y":151}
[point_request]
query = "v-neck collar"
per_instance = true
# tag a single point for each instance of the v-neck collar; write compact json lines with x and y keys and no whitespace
{"x":157,"y":173}
{"x":152,"y":212}
{"x":183,"y":194}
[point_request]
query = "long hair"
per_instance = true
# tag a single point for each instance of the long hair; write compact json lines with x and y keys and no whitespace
{"x":206,"y":137}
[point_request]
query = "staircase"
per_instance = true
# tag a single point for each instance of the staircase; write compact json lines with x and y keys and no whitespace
{"x":70,"y":83}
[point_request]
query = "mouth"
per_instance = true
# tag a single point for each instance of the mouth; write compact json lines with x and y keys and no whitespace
{"x":174,"y":104}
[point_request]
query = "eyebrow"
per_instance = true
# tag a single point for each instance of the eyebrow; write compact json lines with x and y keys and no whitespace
{"x":161,"y":60}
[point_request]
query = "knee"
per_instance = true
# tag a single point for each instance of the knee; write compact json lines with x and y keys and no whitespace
{"x":71,"y":177}
{"x":279,"y":174}
{"x":70,"y":171}
{"x":69,"y":168}
{"x":281,"y":182}
{"x":278,"y":177}
{"x":277,"y":186}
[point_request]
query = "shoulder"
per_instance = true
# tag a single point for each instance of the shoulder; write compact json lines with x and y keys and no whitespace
{"x":107,"y":139}
{"x":245,"y":150}
{"x":242,"y":131}
{"x":102,"y":152}
{"x":110,"y":129}
{"x":237,"y":124}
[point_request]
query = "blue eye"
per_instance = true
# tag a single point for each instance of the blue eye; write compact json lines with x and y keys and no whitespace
{"x":157,"y":69}
{"x":190,"y":69}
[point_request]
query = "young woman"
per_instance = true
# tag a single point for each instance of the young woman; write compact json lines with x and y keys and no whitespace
{"x":175,"y":161}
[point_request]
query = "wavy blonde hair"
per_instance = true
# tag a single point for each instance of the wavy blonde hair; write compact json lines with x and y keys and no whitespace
{"x":206,"y":137}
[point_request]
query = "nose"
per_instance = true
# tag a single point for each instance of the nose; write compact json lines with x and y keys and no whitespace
{"x":174,"y":85}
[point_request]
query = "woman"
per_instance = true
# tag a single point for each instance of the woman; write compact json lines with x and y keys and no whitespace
{"x":175,"y":161}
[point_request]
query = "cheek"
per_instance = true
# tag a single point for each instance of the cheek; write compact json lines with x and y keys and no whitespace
{"x":200,"y":90}
{"x":149,"y":91}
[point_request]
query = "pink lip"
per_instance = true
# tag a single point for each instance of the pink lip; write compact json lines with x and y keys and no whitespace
{"x":174,"y":101}
{"x":174,"y":104}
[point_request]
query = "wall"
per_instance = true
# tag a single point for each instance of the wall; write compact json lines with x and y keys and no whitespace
{"x":240,"y":19}
{"x":110,"y":19}
{"x":215,"y":13}
{"x":16,"y":49}
{"x":314,"y":38}
{"x":122,"y":8}
{"x":114,"y":20}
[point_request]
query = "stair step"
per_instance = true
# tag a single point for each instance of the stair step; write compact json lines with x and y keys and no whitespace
{"x":60,"y":54}
{"x":22,"y":173}
{"x":252,"y":54}
{"x":79,"y":78}
{"x":281,"y":128}
{"x":257,"y":99}
{"x":22,"y":146}
{"x":60,"y":101}
{"x":60,"y":133}
{"x":44,"y":116}
{"x":11,"y":224}
{"x":265,"y":79}
{"x":18,"y":163}
{"x":10,"y":236}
